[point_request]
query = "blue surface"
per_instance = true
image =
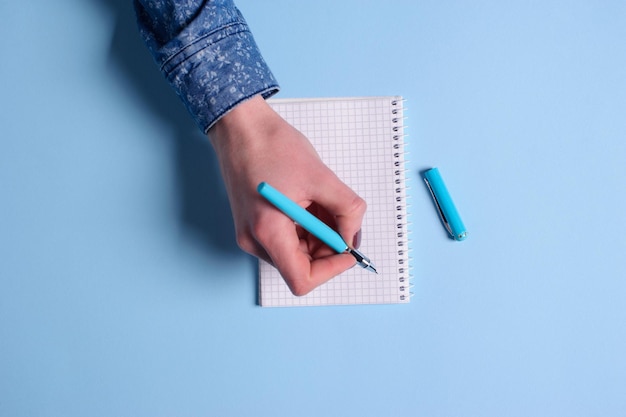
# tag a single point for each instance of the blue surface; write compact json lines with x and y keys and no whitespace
{"x":122,"y":291}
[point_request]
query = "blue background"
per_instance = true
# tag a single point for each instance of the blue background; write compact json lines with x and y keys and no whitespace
{"x":122,"y":291}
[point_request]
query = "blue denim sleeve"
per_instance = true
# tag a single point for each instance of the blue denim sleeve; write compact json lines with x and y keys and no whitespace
{"x":206,"y":51}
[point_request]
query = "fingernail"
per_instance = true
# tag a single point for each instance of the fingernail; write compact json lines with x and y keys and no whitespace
{"x":356,"y":241}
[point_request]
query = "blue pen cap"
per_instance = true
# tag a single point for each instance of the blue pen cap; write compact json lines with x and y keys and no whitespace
{"x":445,"y":206}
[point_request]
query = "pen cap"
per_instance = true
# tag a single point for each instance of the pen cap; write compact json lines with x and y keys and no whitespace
{"x":447,"y":210}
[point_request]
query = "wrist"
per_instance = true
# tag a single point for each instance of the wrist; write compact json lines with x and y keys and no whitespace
{"x":241,"y":140}
{"x":240,"y":125}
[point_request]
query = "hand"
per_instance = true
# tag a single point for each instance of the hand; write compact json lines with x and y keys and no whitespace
{"x":254,"y":144}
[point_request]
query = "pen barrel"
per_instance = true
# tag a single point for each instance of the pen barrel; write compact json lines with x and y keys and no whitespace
{"x":447,"y":210}
{"x":305,"y":219}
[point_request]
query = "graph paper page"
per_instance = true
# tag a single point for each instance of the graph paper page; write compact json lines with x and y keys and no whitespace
{"x":361,"y":140}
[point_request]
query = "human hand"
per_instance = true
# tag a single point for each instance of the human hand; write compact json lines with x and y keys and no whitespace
{"x":254,"y":144}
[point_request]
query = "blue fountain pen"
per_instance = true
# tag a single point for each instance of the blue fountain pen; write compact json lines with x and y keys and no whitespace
{"x":312,"y":224}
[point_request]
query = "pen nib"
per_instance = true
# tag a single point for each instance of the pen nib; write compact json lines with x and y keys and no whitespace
{"x":363,"y":260}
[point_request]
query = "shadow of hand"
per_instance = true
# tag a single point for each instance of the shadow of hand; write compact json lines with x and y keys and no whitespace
{"x":203,"y":202}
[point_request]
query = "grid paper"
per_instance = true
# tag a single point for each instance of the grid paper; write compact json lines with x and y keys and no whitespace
{"x":362,"y":141}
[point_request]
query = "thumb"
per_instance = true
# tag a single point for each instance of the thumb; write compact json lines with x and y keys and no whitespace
{"x":301,"y":270}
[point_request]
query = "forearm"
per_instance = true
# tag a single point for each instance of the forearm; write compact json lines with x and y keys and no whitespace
{"x":207,"y":53}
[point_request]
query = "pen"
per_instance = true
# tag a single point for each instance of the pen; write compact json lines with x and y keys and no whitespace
{"x":446,"y":208}
{"x":312,"y":224}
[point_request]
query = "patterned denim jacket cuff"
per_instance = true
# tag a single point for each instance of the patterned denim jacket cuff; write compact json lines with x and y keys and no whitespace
{"x":219,"y":71}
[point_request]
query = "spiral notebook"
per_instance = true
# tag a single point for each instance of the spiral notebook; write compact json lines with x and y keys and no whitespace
{"x":362,"y":140}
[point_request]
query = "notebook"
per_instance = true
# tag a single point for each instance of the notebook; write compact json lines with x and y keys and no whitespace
{"x":362,"y":140}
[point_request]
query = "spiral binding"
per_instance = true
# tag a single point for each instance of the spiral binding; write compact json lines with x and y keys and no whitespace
{"x":401,"y":199}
